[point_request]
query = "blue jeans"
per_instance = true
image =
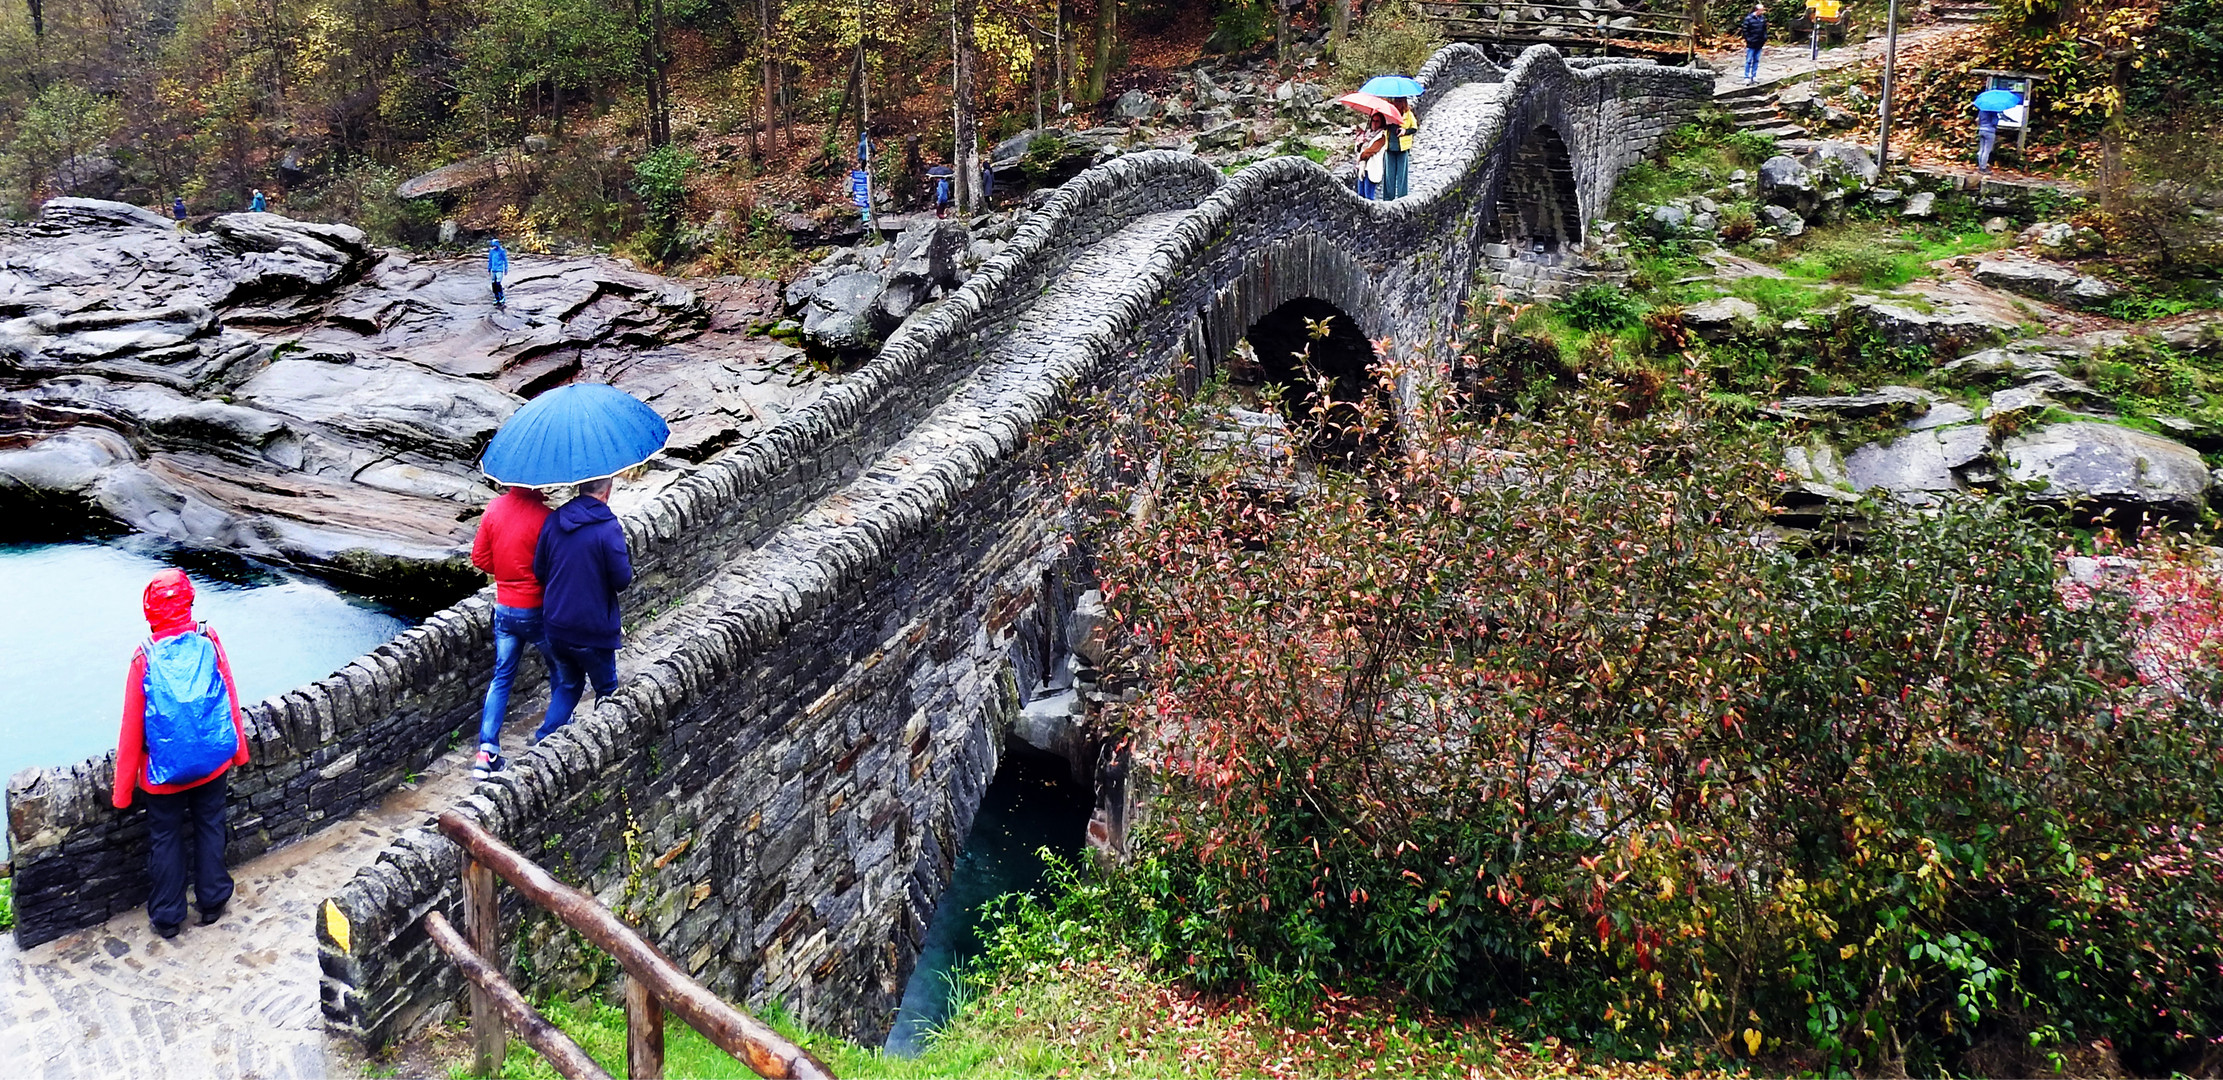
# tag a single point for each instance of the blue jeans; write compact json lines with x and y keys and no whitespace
{"x":1751,"y":62}
{"x":514,"y":628}
{"x":1396,"y":173}
{"x":190,"y":818}
{"x":570,"y":668}
{"x":1987,"y":139}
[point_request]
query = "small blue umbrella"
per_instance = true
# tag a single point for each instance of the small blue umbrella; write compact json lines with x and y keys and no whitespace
{"x":1392,"y":86}
{"x":583,"y":431}
{"x":1998,"y":100}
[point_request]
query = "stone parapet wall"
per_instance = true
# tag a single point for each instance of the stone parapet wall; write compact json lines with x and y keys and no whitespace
{"x":796,"y":770}
{"x":851,"y":603}
{"x":319,"y":753}
{"x":324,"y":751}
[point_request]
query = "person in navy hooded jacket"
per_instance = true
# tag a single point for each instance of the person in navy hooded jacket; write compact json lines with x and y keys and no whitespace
{"x":582,"y":563}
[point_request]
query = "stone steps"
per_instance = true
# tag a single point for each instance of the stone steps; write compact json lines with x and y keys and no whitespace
{"x":1963,"y":12}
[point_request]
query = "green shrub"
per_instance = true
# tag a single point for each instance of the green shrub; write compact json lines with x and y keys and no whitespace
{"x":1239,"y":25}
{"x":1516,"y":720}
{"x":1392,"y":37}
{"x":1751,"y":147}
{"x":1600,"y":307}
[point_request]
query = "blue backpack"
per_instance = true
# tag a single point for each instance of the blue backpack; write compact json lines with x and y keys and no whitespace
{"x":189,"y":712}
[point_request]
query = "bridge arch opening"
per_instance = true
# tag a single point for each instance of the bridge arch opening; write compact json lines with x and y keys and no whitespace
{"x":1305,"y":346}
{"x":1538,"y":213}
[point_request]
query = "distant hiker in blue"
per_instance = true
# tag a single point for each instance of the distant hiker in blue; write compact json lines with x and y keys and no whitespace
{"x":181,"y":732}
{"x":177,"y":208}
{"x":497,"y":264}
{"x":258,"y":204}
{"x":941,"y":196}
{"x":1755,"y":28}
{"x":582,"y":564}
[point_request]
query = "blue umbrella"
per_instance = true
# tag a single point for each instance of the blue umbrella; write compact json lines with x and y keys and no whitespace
{"x":583,"y":431}
{"x":1392,"y":86}
{"x":1998,"y":100}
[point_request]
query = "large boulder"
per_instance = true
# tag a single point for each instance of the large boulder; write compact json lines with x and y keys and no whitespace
{"x":929,"y":251}
{"x":1721,"y":318}
{"x":66,"y":214}
{"x":839,"y":315}
{"x":2111,"y":465}
{"x":1852,"y":165}
{"x":1135,"y":105}
{"x":2045,"y":281}
{"x":1787,"y":182}
{"x":1947,"y":330}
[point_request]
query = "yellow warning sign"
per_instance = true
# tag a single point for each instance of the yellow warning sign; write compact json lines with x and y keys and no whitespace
{"x":1826,"y":9}
{"x":335,"y":924}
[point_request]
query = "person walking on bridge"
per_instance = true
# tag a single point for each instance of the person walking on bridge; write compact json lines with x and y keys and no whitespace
{"x":181,"y":733}
{"x":508,"y":537}
{"x":582,"y":563}
{"x":1397,"y":158}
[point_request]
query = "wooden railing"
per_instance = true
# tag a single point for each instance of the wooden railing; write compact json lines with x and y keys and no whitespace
{"x":653,"y":984}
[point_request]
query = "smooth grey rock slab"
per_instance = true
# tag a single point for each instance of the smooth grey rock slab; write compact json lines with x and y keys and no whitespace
{"x":2045,"y":281}
{"x":2095,"y":460}
{"x":1868,"y":403}
{"x":1942,"y":414}
{"x":1920,"y":461}
{"x":389,"y":401}
{"x":1952,"y":330}
{"x":1720,"y":317}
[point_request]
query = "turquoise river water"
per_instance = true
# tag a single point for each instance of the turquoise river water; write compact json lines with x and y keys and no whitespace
{"x":69,"y":619}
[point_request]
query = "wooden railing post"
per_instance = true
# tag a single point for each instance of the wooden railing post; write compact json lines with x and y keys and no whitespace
{"x":482,"y":921}
{"x":644,"y":1032}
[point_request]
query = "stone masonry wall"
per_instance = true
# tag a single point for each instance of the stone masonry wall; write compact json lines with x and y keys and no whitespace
{"x":779,"y":796}
{"x":321,"y":752}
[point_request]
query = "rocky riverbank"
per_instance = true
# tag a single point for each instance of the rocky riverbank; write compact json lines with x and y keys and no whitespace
{"x":284,"y":390}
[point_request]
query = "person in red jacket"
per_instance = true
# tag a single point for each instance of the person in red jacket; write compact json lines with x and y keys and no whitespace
{"x":173,"y":808}
{"x":508,"y":533}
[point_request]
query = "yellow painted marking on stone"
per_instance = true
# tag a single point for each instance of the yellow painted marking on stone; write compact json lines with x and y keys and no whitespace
{"x":335,"y":924}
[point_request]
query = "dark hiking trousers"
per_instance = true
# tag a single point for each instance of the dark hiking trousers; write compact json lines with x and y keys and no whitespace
{"x":187,"y":830}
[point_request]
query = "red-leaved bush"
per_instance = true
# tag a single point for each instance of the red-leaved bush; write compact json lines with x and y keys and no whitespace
{"x":1536,"y":716}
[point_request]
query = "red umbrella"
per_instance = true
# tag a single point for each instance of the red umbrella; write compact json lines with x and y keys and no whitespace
{"x":1368,"y":103}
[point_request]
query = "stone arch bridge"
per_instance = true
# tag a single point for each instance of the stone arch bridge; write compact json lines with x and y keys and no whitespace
{"x":833,"y":626}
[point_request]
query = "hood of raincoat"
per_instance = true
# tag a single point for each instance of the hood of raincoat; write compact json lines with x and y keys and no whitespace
{"x":168,"y":603}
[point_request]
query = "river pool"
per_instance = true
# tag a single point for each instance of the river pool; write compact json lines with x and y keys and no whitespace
{"x":69,"y":620}
{"x":1032,"y":804}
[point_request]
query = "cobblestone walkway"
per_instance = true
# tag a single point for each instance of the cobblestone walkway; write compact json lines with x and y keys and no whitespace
{"x":233,"y":1000}
{"x":1790,"y":63}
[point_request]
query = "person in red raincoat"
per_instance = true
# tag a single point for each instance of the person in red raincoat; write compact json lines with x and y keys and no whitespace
{"x":187,"y":813}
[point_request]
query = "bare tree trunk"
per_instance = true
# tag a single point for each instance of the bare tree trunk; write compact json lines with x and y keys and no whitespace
{"x":652,"y":67}
{"x":1107,"y":35}
{"x":764,"y":40}
{"x":38,"y":18}
{"x":1339,"y":25}
{"x":1057,"y":47}
{"x":1281,"y":31}
{"x":966,"y":158}
{"x":2114,"y":133}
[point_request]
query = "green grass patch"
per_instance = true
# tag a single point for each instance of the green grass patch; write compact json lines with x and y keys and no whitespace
{"x":1879,"y":256}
